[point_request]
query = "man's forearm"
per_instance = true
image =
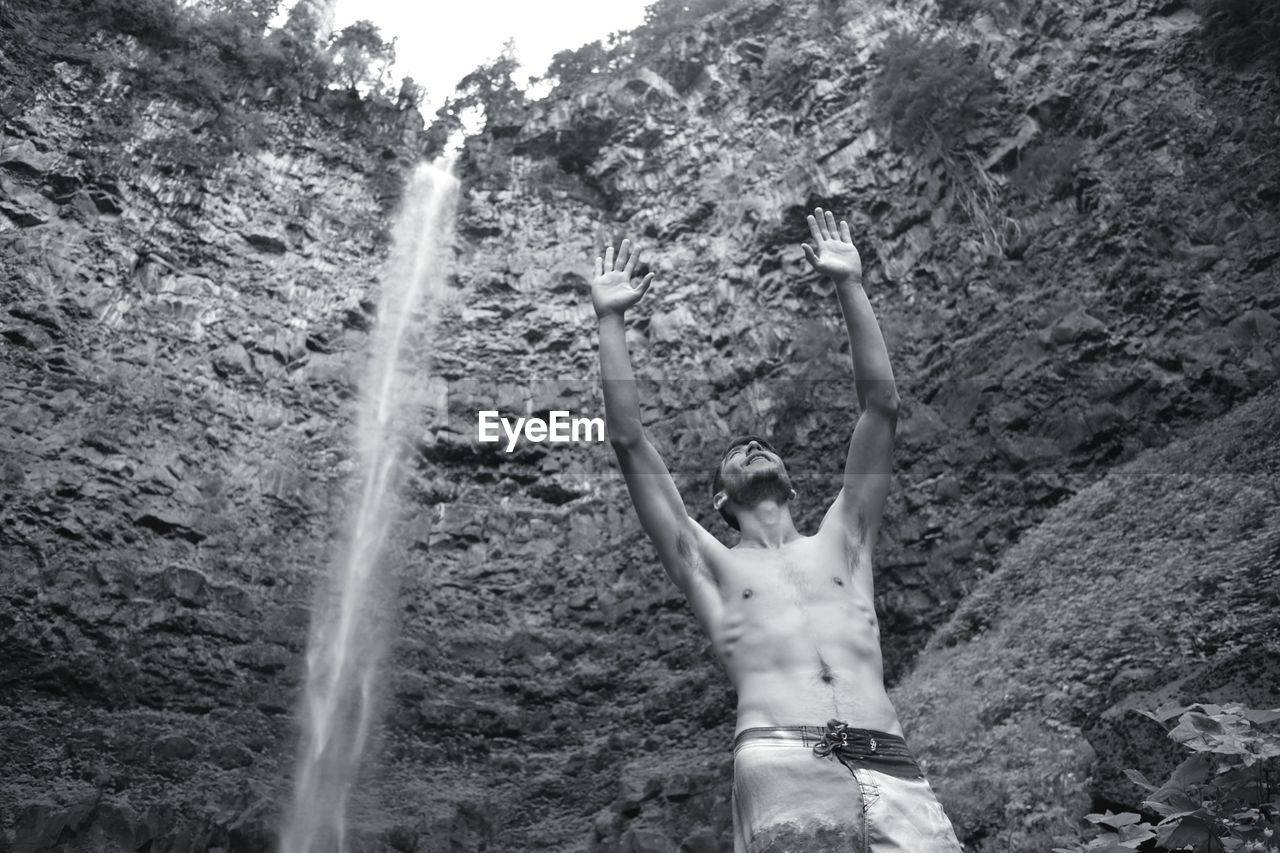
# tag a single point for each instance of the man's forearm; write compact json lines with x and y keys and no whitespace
{"x":873,"y":377}
{"x":621,"y":399}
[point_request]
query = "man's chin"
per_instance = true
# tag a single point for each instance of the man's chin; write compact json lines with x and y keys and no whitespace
{"x":771,"y":472}
{"x":766,"y":484}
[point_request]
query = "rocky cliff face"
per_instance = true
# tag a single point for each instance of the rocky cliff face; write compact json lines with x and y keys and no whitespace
{"x":180,"y":341}
{"x":184,"y":349}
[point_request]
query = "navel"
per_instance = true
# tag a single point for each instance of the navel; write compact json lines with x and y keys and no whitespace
{"x":838,"y":581}
{"x":824,"y":671}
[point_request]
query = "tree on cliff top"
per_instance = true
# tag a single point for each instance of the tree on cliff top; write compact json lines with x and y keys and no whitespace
{"x":663,"y":14}
{"x":361,"y":58}
{"x":311,"y":21}
{"x":571,"y":66}
{"x":259,"y":12}
{"x":665,"y":18}
{"x":491,"y":86}
{"x":481,"y":97}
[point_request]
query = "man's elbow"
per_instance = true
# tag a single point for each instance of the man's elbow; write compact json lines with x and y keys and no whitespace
{"x":886,"y":404}
{"x":625,"y":441}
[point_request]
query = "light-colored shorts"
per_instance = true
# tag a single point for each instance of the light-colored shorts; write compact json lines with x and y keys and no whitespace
{"x":831,"y":788}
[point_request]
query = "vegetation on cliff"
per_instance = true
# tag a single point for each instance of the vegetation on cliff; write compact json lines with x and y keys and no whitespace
{"x":1154,"y":588}
{"x":218,"y":59}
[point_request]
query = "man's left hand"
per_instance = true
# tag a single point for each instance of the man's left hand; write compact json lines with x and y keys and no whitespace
{"x":833,"y":253}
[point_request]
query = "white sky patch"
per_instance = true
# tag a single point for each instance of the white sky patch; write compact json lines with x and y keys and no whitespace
{"x":438,"y":43}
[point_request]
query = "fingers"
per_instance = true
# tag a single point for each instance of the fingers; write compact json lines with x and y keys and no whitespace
{"x":625,"y":260}
{"x":643,"y":287}
{"x":808,"y":253}
{"x":813,"y":229}
{"x":824,"y":227}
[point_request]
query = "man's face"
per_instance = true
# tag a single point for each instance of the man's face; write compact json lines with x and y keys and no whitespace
{"x":752,"y":472}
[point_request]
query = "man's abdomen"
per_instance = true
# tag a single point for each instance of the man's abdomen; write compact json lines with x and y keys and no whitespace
{"x":804,"y":665}
{"x":781,"y":699}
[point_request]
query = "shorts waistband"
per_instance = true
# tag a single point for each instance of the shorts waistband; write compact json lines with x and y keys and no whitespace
{"x":836,"y":736}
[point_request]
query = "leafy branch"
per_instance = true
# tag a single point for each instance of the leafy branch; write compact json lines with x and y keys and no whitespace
{"x":1222,"y":798}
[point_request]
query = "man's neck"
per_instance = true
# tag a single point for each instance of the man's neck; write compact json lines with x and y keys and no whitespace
{"x":768,"y":524}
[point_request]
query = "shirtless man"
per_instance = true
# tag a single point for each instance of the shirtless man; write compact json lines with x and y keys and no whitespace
{"x":791,"y":616}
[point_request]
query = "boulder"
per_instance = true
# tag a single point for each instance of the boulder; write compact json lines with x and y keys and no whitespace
{"x":22,"y":215}
{"x":188,"y":586}
{"x":25,"y":159}
{"x":175,"y":747}
{"x":1075,"y":326}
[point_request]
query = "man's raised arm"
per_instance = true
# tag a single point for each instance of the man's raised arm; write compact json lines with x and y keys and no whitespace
{"x":658,"y":504}
{"x":870,"y":461}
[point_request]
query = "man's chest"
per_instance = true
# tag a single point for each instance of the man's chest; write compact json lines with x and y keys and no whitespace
{"x":786,"y":603}
{"x":808,"y":572}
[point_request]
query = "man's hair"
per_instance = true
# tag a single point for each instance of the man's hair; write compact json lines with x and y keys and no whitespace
{"x":717,"y":482}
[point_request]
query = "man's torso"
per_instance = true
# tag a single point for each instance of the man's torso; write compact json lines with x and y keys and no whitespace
{"x":797,"y":633}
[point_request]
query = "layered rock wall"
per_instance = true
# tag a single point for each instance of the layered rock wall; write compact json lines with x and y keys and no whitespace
{"x":184,"y":350}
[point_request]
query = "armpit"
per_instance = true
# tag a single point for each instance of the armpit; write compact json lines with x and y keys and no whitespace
{"x":687,"y":548}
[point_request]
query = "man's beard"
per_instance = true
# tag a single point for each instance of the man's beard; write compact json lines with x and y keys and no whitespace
{"x":757,"y":486}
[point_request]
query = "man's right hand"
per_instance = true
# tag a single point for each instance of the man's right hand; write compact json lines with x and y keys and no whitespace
{"x":613,"y":291}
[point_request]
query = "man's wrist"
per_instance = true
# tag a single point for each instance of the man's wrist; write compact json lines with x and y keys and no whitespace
{"x":611,"y":317}
{"x":850,"y":280}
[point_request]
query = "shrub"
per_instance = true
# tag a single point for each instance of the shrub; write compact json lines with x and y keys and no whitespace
{"x":1241,"y":32}
{"x":1221,"y":798}
{"x":787,"y":70}
{"x":411,"y":94}
{"x":669,"y":15}
{"x":155,"y":23}
{"x":572,"y":66}
{"x":929,"y":91}
{"x":260,"y":12}
{"x":442,"y":130}
{"x":666,"y":19}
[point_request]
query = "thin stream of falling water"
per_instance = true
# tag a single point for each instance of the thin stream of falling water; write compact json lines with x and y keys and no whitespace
{"x":347,"y":639}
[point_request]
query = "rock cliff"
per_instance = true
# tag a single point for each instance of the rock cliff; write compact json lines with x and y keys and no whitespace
{"x":183,"y":338}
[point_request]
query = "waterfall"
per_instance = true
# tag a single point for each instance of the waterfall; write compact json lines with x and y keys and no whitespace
{"x":347,"y":639}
